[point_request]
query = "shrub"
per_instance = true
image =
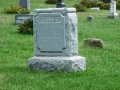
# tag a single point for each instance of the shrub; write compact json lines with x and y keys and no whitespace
{"x":88,"y":3}
{"x":80,"y":8}
{"x":16,"y":10}
{"x":105,"y":6}
{"x":23,"y":11}
{"x":51,"y":1}
{"x":26,"y":27}
{"x":118,"y":5}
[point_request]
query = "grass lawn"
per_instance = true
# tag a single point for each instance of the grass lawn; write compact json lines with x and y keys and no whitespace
{"x":102,"y":70}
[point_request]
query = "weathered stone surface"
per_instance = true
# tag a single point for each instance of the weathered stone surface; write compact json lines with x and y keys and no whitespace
{"x":55,"y":32}
{"x":25,"y":4}
{"x":57,"y":64}
{"x":21,"y":18}
{"x":56,"y":41}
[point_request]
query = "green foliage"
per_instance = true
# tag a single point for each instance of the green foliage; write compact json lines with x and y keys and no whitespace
{"x":16,"y":10}
{"x":51,"y":1}
{"x":23,"y":11}
{"x":118,"y":5}
{"x":26,"y":27}
{"x":80,"y":8}
{"x":88,"y":3}
{"x":105,"y":6}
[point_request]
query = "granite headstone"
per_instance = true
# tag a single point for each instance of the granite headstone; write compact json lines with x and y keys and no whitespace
{"x":25,"y":4}
{"x":56,"y":41}
{"x":21,"y":18}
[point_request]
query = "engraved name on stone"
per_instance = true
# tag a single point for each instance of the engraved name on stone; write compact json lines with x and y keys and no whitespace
{"x":23,"y":17}
{"x":51,"y":35}
{"x":50,"y":20}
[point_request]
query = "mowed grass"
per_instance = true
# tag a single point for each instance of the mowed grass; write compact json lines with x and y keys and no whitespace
{"x":102,"y":69}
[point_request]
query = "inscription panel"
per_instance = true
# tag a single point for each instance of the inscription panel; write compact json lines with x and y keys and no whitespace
{"x":51,"y":32}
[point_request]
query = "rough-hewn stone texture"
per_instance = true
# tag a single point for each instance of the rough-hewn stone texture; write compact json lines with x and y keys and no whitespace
{"x":56,"y":41}
{"x":57,"y":64}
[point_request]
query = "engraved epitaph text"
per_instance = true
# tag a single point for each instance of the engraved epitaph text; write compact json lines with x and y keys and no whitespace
{"x":51,"y":32}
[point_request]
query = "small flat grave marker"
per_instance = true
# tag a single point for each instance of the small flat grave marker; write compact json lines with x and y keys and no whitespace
{"x":20,"y":18}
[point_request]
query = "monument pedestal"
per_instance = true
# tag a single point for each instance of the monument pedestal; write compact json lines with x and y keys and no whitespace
{"x":113,"y":15}
{"x":57,"y":64}
{"x":56,"y":41}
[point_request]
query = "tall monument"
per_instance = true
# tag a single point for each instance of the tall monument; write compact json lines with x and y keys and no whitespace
{"x":113,"y":14}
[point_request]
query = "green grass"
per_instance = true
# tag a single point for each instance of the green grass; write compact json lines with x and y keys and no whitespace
{"x":102,"y":69}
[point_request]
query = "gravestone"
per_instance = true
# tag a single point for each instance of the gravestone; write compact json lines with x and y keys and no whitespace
{"x":94,"y":0}
{"x":106,"y":1}
{"x":60,"y":4}
{"x":113,"y":13}
{"x":90,"y":18}
{"x":21,"y":18}
{"x":95,"y":8}
{"x":56,"y":41}
{"x":25,"y":4}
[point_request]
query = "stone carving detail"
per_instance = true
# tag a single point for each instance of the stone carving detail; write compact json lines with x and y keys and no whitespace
{"x":56,"y":32}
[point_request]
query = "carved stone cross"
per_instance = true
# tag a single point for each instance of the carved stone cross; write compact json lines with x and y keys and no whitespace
{"x":60,"y":4}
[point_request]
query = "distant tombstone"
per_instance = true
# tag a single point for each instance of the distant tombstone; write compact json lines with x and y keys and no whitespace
{"x":56,"y":41}
{"x":94,"y":0}
{"x":95,"y":8}
{"x":106,"y":1}
{"x":90,"y":18}
{"x":113,"y":13}
{"x":25,"y":4}
{"x":21,"y":18}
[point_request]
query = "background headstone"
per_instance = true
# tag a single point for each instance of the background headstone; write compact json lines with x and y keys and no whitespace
{"x":95,"y":8}
{"x":113,"y":13}
{"x":21,"y":18}
{"x":106,"y":1}
{"x":25,"y":4}
{"x":90,"y":18}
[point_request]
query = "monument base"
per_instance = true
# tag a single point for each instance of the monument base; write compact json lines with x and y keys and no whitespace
{"x":57,"y":64}
{"x":113,"y":16}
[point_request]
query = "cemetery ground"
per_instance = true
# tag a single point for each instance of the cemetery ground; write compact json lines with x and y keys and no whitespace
{"x":102,"y":69}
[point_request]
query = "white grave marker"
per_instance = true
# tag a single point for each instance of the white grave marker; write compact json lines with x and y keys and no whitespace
{"x":113,"y":13}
